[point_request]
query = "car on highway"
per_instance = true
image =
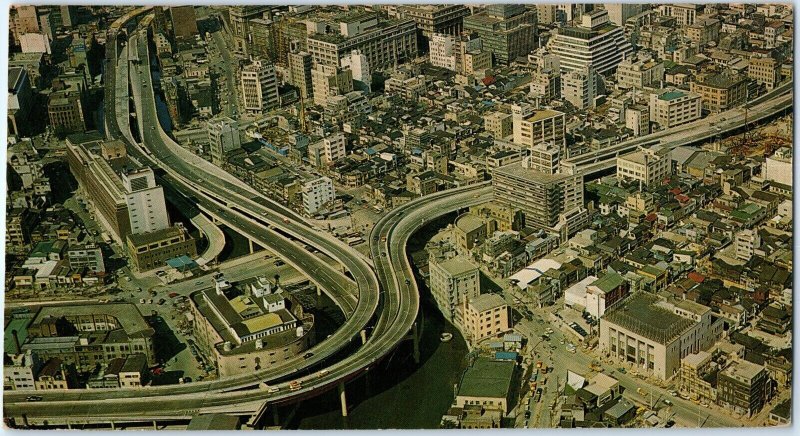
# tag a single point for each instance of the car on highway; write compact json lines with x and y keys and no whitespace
{"x":667,"y":402}
{"x":383,"y":254}
{"x":33,"y":398}
{"x":308,"y":355}
{"x":295,"y":385}
{"x":323,"y":373}
{"x":527,"y":414}
{"x":408,"y":281}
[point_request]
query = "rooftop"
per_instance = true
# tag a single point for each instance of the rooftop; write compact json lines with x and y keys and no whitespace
{"x":485,"y":302}
{"x":487,"y":378}
{"x":743,"y":370}
{"x":458,"y":265}
{"x":640,"y":314}
{"x":126,"y":314}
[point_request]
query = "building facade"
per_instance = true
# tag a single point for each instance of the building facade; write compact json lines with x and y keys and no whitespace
{"x":259,"y":87}
{"x":451,"y":281}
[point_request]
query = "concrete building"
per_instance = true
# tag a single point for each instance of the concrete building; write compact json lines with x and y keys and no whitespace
{"x":655,"y":335}
{"x":721,"y":91}
{"x":451,"y":281}
{"x":544,"y":158}
{"x":673,"y":107}
{"x":300,"y":66}
{"x":698,"y":377}
{"x":88,"y":256}
{"x":328,"y":81}
{"x":23,"y":19}
{"x":532,"y":127}
{"x":595,"y":42}
{"x":778,"y":167}
{"x":637,"y":118}
{"x":618,"y":13}
{"x":579,"y":87}
{"x":20,"y":100}
{"x":546,"y":83}
{"x":442,"y":52}
{"x":147,"y":209}
{"x":484,"y":316}
{"x":19,"y":370}
{"x":639,"y":72}
{"x":223,"y":138}
{"x":259,"y":87}
{"x":747,"y":241}
{"x":433,"y":19}
{"x":549,"y":202}
{"x":546,"y":14}
{"x":65,"y":111}
{"x":685,"y":14}
{"x":604,"y":293}
{"x":358,"y":65}
{"x":646,"y":166}
{"x":470,"y":231}
{"x":704,"y":31}
{"x":385,"y":43}
{"x":152,"y":250}
{"x":334,"y":147}
{"x":35,"y":43}
{"x":499,"y":124}
{"x":508,"y":31}
{"x":317,"y":193}
{"x":240,"y":17}
{"x":742,"y":387}
{"x":765,"y":71}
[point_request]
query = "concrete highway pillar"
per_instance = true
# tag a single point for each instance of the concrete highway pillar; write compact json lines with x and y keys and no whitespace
{"x":343,"y":398}
{"x":113,"y":426}
{"x":415,"y":339}
{"x":155,"y":425}
{"x":276,"y":418}
{"x":363,"y":336}
{"x":69,"y":426}
{"x":250,"y":242}
{"x":319,"y":291}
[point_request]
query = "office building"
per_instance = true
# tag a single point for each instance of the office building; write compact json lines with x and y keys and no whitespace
{"x":442,"y":51}
{"x":385,"y":43}
{"x":316,"y":194}
{"x":261,"y":41}
{"x":223,"y":138}
{"x":698,"y":377}
{"x":579,"y":87}
{"x":639,"y":72}
{"x":488,"y":383}
{"x":765,"y":71}
{"x":596,"y":41}
{"x":300,"y":66}
{"x":146,"y":206}
{"x":544,"y":199}
{"x":358,"y":65}
{"x":20,"y":100}
{"x":654,"y":335}
{"x":544,"y":158}
{"x":721,"y":91}
{"x":152,"y":250}
{"x":742,"y":387}
{"x":534,"y":126}
{"x":240,"y":17}
{"x":685,"y":14}
{"x":704,"y":31}
{"x":546,"y":14}
{"x":433,"y":19}
{"x":334,"y":147}
{"x":499,"y":124}
{"x":451,"y":281}
{"x":647,"y":166}
{"x":484,"y":316}
{"x":507,"y":31}
{"x":22,"y":20}
{"x":747,"y":241}
{"x":330,"y":81}
{"x":259,"y":87}
{"x":637,"y":118}
{"x":184,"y":22}
{"x":88,"y":256}
{"x":547,"y":84}
{"x":672,"y":107}
{"x":618,"y":13}
{"x":65,"y":111}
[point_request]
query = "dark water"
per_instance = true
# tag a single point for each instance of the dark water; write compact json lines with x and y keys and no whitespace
{"x":398,"y":393}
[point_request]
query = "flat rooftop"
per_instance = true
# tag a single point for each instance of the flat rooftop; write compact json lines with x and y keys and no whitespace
{"x":126,"y":314}
{"x":457,"y":265}
{"x":640,"y":315}
{"x":487,"y":378}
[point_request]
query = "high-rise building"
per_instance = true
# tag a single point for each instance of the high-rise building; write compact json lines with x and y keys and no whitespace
{"x":358,"y":64}
{"x":259,"y":87}
{"x":507,"y":31}
{"x":260,"y":42}
{"x":442,"y":51}
{"x":546,"y":14}
{"x":240,"y":17}
{"x":65,"y":110}
{"x":535,"y":126}
{"x":20,"y":100}
{"x":330,"y":81}
{"x":547,"y":84}
{"x":334,"y":147}
{"x":316,"y":193}
{"x":300,"y":66}
{"x":147,"y":210}
{"x":685,"y":14}
{"x":385,"y":44}
{"x":69,"y":16}
{"x":223,"y":138}
{"x":184,"y":22}
{"x":452,"y":281}
{"x":579,"y":87}
{"x":499,"y":124}
{"x":544,"y":158}
{"x":637,"y":118}
{"x":595,"y":42}
{"x":432,"y":19}
{"x":23,"y":19}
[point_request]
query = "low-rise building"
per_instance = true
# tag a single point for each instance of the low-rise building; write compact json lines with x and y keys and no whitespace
{"x":742,"y":387}
{"x":721,"y":91}
{"x":317,"y":193}
{"x":646,"y":166}
{"x":452,"y":281}
{"x":673,"y":107}
{"x":153,"y":249}
{"x":484,"y":316}
{"x":487,"y":383}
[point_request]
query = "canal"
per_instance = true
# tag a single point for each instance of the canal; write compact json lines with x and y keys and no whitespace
{"x":398,"y":393}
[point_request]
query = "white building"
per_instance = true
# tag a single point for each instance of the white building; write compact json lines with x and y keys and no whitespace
{"x":778,"y":167}
{"x":579,"y":87}
{"x":328,"y":81}
{"x":259,"y":87}
{"x":595,"y":42}
{"x":637,"y":118}
{"x":34,"y":43}
{"x":334,"y":147}
{"x":443,"y":51}
{"x":646,"y":165}
{"x":316,"y":193}
{"x":618,"y":13}
{"x":357,"y":63}
{"x":147,"y":210}
{"x":223,"y":138}
{"x":453,"y":280}
{"x":673,"y":107}
{"x":639,"y":72}
{"x":747,"y":242}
